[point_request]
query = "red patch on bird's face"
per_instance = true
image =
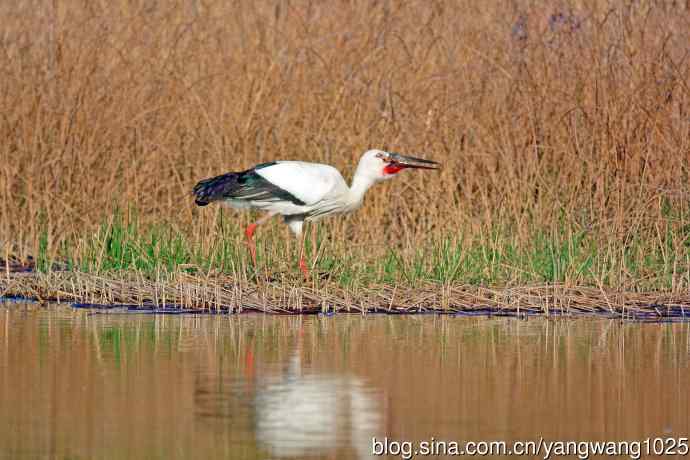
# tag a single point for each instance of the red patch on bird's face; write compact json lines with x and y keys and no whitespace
{"x":393,"y":168}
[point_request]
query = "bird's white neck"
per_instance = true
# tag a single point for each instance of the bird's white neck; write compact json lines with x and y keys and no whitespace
{"x":360,"y":184}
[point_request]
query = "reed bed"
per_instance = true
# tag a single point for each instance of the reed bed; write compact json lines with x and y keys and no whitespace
{"x":181,"y":292}
{"x":563,"y":128}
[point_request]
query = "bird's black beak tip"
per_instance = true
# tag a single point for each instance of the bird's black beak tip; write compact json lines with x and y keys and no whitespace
{"x":408,"y":162}
{"x":419,"y":163}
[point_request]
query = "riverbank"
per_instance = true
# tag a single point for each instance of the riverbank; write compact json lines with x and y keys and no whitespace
{"x":220,"y":293}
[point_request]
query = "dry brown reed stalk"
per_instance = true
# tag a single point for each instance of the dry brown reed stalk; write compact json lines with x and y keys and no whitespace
{"x":227,"y":295}
{"x":569,"y":117}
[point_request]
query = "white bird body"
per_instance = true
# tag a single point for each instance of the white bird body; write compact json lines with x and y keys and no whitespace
{"x":320,"y":187}
{"x":302,"y":191}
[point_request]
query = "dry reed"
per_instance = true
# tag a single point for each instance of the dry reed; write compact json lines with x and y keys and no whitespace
{"x":222,"y":294}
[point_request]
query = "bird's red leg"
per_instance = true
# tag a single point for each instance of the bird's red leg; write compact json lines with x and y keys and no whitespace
{"x":250,"y":241}
{"x":303,"y":266}
{"x":250,"y":235}
{"x":302,"y":263}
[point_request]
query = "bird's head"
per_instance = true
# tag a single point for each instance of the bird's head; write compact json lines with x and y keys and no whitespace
{"x":380,"y":165}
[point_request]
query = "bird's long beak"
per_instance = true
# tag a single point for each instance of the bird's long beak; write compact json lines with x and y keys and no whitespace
{"x":403,"y":161}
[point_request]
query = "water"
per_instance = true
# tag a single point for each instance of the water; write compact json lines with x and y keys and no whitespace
{"x":80,"y":385}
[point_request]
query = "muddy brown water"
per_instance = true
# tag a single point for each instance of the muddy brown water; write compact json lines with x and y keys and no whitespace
{"x":74,"y":384}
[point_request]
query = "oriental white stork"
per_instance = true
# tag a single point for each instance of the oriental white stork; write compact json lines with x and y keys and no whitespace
{"x":301,"y":191}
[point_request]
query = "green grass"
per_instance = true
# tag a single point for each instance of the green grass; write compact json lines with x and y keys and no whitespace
{"x":654,"y":261}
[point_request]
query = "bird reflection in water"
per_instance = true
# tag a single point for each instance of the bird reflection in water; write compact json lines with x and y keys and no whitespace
{"x":304,"y":414}
{"x":293,"y":410}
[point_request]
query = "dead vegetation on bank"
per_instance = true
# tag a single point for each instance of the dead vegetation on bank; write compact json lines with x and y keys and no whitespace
{"x":183,"y":292}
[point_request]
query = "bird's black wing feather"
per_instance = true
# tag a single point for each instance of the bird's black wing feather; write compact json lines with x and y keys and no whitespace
{"x":245,"y":185}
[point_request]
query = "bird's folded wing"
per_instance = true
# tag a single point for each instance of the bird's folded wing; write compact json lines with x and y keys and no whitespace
{"x":244,"y":186}
{"x":310,"y":183}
